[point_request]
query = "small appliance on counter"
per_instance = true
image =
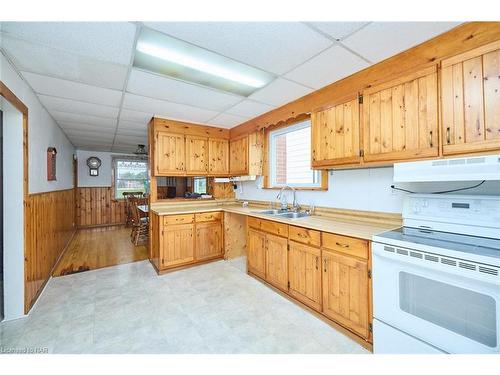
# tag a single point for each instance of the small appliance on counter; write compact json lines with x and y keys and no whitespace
{"x":436,"y":280}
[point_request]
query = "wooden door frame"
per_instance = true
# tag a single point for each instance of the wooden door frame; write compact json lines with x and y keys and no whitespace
{"x":8,"y":95}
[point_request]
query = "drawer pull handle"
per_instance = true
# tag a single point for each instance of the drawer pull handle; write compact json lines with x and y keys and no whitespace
{"x":317,"y":259}
{"x":344,"y":245}
{"x":430,"y":139}
{"x":448,"y":135}
{"x":324,"y":264}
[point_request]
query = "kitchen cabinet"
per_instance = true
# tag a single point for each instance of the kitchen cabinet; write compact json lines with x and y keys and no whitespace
{"x":277,"y":261}
{"x":256,"y":253}
{"x":400,"y":118}
{"x":170,"y":154}
{"x":335,"y":135}
{"x":177,"y":245}
{"x":185,"y":239}
{"x":470,"y":94}
{"x":218,"y":151}
{"x":346,"y":291}
{"x":209,"y":242}
{"x":196,"y":155}
{"x":246,"y":155}
{"x":304,"y":272}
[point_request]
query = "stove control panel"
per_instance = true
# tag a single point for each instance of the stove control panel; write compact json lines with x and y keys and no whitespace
{"x":467,"y":210}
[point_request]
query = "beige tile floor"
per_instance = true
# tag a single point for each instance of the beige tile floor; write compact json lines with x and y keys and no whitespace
{"x":213,"y":308}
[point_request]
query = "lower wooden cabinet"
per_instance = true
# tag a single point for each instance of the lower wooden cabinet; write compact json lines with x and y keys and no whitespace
{"x":277,"y":261}
{"x":256,"y":253}
{"x":177,"y":245}
{"x":208,"y":240}
{"x":304,"y":273}
{"x":180,"y":240}
{"x":345,"y":291}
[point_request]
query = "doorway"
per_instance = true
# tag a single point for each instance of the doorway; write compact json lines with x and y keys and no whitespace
{"x":1,"y":217}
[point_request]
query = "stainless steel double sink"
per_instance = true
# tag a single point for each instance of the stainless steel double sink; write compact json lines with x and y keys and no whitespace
{"x":284,"y":213}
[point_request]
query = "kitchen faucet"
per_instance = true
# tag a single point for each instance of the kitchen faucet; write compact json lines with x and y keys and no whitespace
{"x":284,"y":204}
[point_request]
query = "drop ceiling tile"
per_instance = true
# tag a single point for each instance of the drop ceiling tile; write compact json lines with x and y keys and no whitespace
{"x":166,"y":109}
{"x":72,"y":90}
{"x":156,"y":86}
{"x":123,"y":149}
{"x":104,"y":135}
{"x":135,"y":116}
{"x":62,"y":117}
{"x":338,"y":30}
{"x":249,"y":108}
{"x":130,"y":140}
{"x":226,"y":120}
{"x":91,"y":147}
{"x":380,"y":40}
{"x":132,"y":125}
{"x":74,"y":106}
{"x":279,"y":92}
{"x":329,"y":66}
{"x":73,"y":126}
{"x":261,"y":44}
{"x":107,"y":41}
{"x":132,"y":132}
{"x":56,"y":63}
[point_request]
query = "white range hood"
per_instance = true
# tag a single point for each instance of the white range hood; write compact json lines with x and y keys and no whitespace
{"x":475,"y":168}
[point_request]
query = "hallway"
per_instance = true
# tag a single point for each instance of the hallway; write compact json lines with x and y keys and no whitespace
{"x":96,"y":248}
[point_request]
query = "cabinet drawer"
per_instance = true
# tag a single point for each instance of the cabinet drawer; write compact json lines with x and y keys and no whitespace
{"x":304,"y":235}
{"x":253,"y":222}
{"x":178,"y":219}
{"x":208,"y":216}
{"x":274,"y":227}
{"x":346,"y":245}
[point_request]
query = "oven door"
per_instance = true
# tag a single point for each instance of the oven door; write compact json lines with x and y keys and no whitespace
{"x":451,"y":308}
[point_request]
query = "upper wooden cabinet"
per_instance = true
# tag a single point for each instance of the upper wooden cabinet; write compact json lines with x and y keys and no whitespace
{"x":400,"y":118}
{"x":246,"y":155}
{"x":335,"y":135}
{"x":218,"y":151}
{"x":183,"y":149}
{"x":196,"y":155}
{"x":470,"y":91}
{"x":170,"y":154}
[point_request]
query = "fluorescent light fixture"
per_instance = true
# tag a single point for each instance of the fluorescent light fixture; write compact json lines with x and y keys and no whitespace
{"x":163,"y":54}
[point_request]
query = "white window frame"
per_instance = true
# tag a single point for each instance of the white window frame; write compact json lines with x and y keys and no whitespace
{"x":272,"y":157}
{"x":114,"y":168}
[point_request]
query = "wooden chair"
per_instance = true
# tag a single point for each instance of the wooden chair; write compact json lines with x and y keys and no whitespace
{"x":140,"y":225}
{"x":128,"y":210}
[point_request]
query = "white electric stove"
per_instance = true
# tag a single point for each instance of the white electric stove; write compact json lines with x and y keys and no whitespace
{"x":436,"y":280}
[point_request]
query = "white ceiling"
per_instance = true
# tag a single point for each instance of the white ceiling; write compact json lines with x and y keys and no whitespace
{"x":83,"y":75}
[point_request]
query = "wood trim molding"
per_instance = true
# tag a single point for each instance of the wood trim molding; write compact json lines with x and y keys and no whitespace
{"x":456,"y":41}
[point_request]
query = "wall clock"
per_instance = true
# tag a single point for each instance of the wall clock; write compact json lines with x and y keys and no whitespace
{"x":93,"y":163}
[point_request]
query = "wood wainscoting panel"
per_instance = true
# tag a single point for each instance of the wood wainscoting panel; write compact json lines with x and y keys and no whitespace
{"x":96,"y":206}
{"x":50,"y":227}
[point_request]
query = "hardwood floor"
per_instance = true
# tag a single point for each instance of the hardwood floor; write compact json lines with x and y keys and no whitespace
{"x":98,"y":248}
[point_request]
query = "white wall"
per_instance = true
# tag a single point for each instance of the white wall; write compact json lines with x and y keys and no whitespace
{"x":104,"y":178}
{"x":43,"y":132}
{"x":13,"y":257}
{"x":360,"y":189}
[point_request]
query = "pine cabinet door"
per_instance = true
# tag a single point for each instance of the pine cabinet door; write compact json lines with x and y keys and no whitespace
{"x":196,"y":155}
{"x":470,"y":94}
{"x":256,"y":255}
{"x":218,"y":152}
{"x":346,"y":291}
{"x":400,"y":118}
{"x":335,"y":135}
{"x":208,"y":240}
{"x":277,"y":261}
{"x":304,"y":267}
{"x":170,"y":154}
{"x":238,"y":163}
{"x":177,"y":245}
